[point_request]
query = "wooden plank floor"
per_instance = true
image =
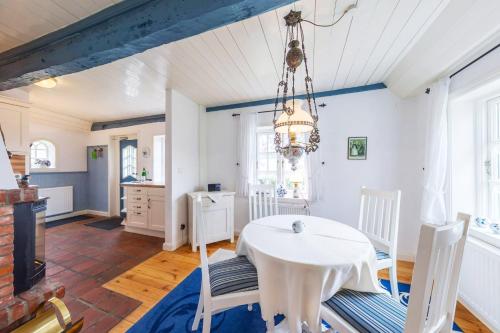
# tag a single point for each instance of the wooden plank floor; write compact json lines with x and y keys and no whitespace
{"x":152,"y":279}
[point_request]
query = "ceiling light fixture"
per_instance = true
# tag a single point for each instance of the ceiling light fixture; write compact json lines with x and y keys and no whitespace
{"x":296,"y":127}
{"x":47,"y":83}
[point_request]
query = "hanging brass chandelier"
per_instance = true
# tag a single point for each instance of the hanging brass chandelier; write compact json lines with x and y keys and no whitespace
{"x":296,"y":120}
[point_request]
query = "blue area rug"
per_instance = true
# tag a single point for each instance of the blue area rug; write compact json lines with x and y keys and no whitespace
{"x":175,"y":312}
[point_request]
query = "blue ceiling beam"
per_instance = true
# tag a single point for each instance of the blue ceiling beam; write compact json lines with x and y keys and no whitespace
{"x":104,"y":125}
{"x":119,"y":31}
{"x":327,"y":93}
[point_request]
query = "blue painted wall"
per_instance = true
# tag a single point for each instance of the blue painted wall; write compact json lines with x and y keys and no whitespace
{"x":78,"y":180}
{"x":90,"y":188}
{"x":98,"y":180}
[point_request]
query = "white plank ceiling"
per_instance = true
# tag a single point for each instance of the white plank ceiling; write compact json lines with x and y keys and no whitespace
{"x":242,"y":61}
{"x":24,"y":20}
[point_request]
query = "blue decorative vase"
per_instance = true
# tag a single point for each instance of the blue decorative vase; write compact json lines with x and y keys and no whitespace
{"x":281,"y":191}
{"x":481,"y":222}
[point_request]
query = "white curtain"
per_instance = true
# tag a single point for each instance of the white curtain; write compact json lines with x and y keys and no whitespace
{"x":434,"y":208}
{"x":247,"y":145}
{"x":314,"y":168}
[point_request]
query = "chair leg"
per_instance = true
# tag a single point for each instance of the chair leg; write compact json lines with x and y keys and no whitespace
{"x":199,"y":310}
{"x":250,"y":307}
{"x":270,"y":326}
{"x":394,"y":281}
{"x":207,"y":319}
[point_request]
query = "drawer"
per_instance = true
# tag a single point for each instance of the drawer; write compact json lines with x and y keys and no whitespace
{"x":135,"y":190}
{"x":137,"y":198}
{"x":220,"y":203}
{"x":138,"y":219}
{"x":137,"y":207}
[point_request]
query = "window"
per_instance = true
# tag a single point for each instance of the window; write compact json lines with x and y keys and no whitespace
{"x":491,"y":201}
{"x":43,"y":155}
{"x":129,"y":161}
{"x":272,"y":168}
{"x":159,"y":158}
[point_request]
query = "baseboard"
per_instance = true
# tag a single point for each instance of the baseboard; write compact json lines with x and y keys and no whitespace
{"x":65,"y":216}
{"x":98,"y":213}
{"x":147,"y":232}
{"x":168,"y":247}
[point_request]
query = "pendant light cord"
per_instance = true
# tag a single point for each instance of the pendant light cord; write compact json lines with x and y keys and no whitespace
{"x":348,"y":9}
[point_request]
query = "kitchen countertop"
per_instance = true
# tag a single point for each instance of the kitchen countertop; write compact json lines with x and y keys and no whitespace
{"x":143,"y":184}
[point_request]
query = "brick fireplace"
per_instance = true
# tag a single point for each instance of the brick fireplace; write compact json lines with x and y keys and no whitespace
{"x":14,"y":310}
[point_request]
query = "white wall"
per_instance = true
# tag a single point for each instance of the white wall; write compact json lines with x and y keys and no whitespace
{"x":71,"y":151}
{"x":144,"y":133}
{"x":395,"y":156}
{"x":182,"y":170}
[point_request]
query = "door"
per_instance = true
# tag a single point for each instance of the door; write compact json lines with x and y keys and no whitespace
{"x":128,"y":167}
{"x":156,"y":213}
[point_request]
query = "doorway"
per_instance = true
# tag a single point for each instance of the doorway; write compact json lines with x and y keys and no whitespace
{"x":128,"y":167}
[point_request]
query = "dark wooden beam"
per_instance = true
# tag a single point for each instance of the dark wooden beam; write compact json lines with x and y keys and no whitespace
{"x":104,"y":125}
{"x":119,"y":31}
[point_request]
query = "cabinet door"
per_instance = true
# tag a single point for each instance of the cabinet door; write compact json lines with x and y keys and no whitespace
{"x":216,"y":223}
{"x":14,"y":123}
{"x":156,"y":213}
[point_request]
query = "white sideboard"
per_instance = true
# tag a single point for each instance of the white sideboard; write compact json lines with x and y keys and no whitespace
{"x":145,"y":207}
{"x":218,"y":210}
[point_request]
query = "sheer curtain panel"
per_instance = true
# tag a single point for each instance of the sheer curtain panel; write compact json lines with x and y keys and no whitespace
{"x":433,"y":208}
{"x":247,"y":141}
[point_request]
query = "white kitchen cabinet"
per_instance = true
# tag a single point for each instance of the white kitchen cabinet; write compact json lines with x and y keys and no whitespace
{"x":14,"y":120}
{"x":156,"y":213}
{"x":218,"y":210}
{"x":145,"y":207}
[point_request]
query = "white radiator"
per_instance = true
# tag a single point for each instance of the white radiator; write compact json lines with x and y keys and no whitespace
{"x":479,"y":287}
{"x":293,"y":208}
{"x":60,"y":199}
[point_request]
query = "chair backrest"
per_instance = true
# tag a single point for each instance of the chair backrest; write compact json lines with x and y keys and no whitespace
{"x":436,"y":275}
{"x":262,"y":201}
{"x":200,"y":227}
{"x":379,"y":218}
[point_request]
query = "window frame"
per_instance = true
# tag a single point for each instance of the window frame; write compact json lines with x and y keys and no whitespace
{"x":484,"y":149}
{"x":51,"y":155}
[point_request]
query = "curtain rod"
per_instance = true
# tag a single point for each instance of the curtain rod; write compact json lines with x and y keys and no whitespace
{"x":428,"y":90}
{"x":475,"y":60}
{"x":266,"y":111}
{"x":322,"y":105}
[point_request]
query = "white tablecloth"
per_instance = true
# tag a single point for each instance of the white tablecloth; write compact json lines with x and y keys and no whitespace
{"x":298,"y":271}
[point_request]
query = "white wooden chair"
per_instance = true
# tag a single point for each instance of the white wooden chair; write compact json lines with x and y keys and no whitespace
{"x":224,"y":284}
{"x":262,"y":201}
{"x":379,"y":220}
{"x":433,"y":295}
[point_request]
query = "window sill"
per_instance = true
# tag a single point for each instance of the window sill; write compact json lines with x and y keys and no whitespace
{"x":292,"y":200}
{"x":485,"y":235}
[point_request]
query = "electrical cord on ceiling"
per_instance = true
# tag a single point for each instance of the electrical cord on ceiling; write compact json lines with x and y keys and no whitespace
{"x":348,"y":9}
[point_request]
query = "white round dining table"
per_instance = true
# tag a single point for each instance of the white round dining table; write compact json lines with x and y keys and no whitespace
{"x":298,"y":271}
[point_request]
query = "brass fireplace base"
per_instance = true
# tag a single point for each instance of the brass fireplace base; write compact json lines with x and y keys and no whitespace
{"x":56,"y":319}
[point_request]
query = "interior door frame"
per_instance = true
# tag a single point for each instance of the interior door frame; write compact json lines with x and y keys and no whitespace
{"x":114,"y":172}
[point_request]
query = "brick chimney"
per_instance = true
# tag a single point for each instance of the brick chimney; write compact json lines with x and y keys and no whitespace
{"x":7,"y":200}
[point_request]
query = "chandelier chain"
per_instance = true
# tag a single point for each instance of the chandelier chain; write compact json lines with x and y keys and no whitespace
{"x":334,"y":22}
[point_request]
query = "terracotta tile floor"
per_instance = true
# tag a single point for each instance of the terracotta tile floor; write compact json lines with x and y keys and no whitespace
{"x":84,"y":258}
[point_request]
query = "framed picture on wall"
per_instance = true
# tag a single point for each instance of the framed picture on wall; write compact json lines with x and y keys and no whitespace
{"x":357,"y":147}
